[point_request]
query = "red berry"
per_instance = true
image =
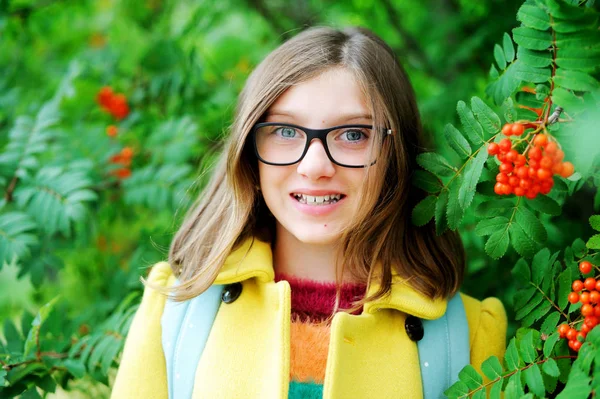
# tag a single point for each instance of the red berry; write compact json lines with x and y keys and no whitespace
{"x":546,"y":162}
{"x":519,"y":192}
{"x":512,"y":155}
{"x":544,"y":174}
{"x":577,"y":285}
{"x":506,"y":167}
{"x":535,"y":153}
{"x":572,"y":334}
{"x":585,"y":267}
{"x":525,"y":183}
{"x":576,"y":346}
{"x":597,"y":285}
{"x":498,"y":188}
{"x":573,"y":297}
{"x":532,"y":172}
{"x":521,"y":160}
{"x":584,"y":297}
{"x":587,"y":310}
{"x":517,"y":129}
{"x":507,"y":129}
{"x":557,"y":168}
{"x":585,"y":328}
{"x":493,"y":149}
{"x":530,"y":194}
{"x":505,"y":145}
{"x":597,"y":311}
{"x":501,"y":157}
{"x":589,"y":283}
{"x":522,"y":171}
{"x":513,"y":181}
{"x":594,"y":297}
{"x":559,"y":156}
{"x":507,"y":189}
{"x":502,"y":178}
{"x":540,"y":140}
{"x":591,"y":321}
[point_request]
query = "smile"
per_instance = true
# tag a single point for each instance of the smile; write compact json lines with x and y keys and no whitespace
{"x":318,"y":199}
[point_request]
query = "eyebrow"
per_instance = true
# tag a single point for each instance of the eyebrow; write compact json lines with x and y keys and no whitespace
{"x":344,"y":117}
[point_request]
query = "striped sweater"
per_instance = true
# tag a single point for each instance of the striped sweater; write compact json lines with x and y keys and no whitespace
{"x":312,"y":307}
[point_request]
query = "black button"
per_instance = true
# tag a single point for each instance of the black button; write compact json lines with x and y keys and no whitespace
{"x":414,"y":328}
{"x":231,"y":292}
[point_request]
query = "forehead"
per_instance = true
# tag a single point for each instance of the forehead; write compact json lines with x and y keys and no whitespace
{"x":332,"y":97}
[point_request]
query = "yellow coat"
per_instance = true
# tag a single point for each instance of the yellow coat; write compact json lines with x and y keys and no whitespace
{"x":247,"y":352}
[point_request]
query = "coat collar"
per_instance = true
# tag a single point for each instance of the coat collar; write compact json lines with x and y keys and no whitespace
{"x":254,"y":259}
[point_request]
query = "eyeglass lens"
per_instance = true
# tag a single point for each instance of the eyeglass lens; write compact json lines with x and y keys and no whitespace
{"x":349,"y":145}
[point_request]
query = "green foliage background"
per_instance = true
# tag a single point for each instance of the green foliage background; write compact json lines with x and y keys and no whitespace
{"x":74,"y":239}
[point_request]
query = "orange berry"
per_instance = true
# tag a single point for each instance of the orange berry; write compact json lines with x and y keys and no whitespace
{"x":112,"y":130}
{"x":127,"y":152}
{"x":584,"y":297}
{"x":573,"y":297}
{"x":563,"y":329}
{"x":585,"y":267}
{"x":567,"y":169}
{"x":521,"y":160}
{"x":514,"y":181}
{"x":507,"y":129}
{"x":544,"y":174}
{"x":559,"y":156}
{"x":587,"y":310}
{"x":597,"y":285}
{"x":535,"y":153}
{"x":506,"y":167}
{"x":498,"y":188}
{"x":540,"y":140}
{"x":551,"y":148}
{"x":546,"y":162}
{"x":577,"y":285}
{"x":589,"y":283}
{"x":591,"y":321}
{"x":519,"y":192}
{"x":512,"y":155}
{"x":572,"y":334}
{"x":594,"y":297}
{"x":493,"y":149}
{"x":557,"y":168}
{"x":576,"y":346}
{"x":517,"y":129}
{"x":505,"y":145}
{"x":597,"y":311}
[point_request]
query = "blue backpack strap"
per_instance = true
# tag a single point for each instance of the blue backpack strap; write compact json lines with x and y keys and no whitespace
{"x":185,"y":329}
{"x":444,"y":349}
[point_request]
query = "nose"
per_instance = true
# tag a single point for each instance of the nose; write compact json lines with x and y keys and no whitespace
{"x":316,"y":163}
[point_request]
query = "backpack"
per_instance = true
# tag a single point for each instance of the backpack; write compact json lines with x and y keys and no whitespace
{"x":443,"y":350}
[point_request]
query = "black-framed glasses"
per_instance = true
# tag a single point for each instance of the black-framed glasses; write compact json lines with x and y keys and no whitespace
{"x":351,"y":146}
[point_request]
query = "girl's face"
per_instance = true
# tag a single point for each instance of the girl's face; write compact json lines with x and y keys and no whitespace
{"x":330,"y":99}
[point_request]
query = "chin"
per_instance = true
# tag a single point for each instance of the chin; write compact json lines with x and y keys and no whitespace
{"x":311,"y":235}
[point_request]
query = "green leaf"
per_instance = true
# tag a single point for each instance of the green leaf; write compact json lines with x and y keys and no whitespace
{"x":16,"y":239}
{"x":527,"y":346}
{"x":521,"y":271}
{"x":514,"y":388}
{"x":594,"y":242}
{"x":508,"y":108}
{"x":533,"y":17}
{"x":75,"y":367}
{"x":535,"y":382}
{"x":472,"y":128}
{"x":491,"y":226}
{"x":458,"y":390}
{"x":531,"y":225}
{"x":494,"y":207}
{"x":2,"y":375}
{"x":435,"y":163}
{"x":504,"y":86}
{"x":549,"y":344}
{"x":511,"y":356}
{"x":540,"y":311}
{"x":550,"y":323}
{"x":535,"y":59}
{"x":575,"y":80}
{"x":532,"y":39}
{"x":497,"y":244}
{"x":441,"y":222}
{"x":531,"y":74}
{"x":578,"y":59}
{"x":426,"y":181}
{"x":595,"y":222}
{"x":564,"y":288}
{"x":455,"y":212}
{"x":578,"y":385}
{"x":492,"y":368}
{"x":540,"y":266}
{"x":486,"y":116}
{"x":551,"y":368}
{"x":545,"y":204}
{"x":521,"y":242}
{"x":530,"y":306}
{"x":424,"y":211}
{"x":469,"y":376}
{"x":509,"y":49}
{"x":569,"y":26}
{"x":457,"y":142}
{"x":472,"y":175}
{"x":523,"y":296}
{"x":499,"y":56}
{"x":42,"y":315}
{"x":566,"y":99}
{"x":496,"y":391}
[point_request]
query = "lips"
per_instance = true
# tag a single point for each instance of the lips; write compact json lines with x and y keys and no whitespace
{"x":318,"y":199}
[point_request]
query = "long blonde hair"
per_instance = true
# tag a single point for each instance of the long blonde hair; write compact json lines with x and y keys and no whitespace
{"x":231,"y":209}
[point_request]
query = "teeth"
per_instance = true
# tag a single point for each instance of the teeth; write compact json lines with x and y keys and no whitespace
{"x":317,"y":200}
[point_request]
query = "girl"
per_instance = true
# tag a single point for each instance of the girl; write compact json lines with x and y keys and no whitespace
{"x":323,"y":287}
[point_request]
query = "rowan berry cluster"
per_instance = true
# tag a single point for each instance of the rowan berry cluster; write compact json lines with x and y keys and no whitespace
{"x":122,"y":158}
{"x":532,"y":172}
{"x":112,"y":130}
{"x":113,"y":103}
{"x":588,"y":293}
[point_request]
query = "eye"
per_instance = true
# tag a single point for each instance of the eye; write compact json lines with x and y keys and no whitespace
{"x":286,"y":132}
{"x":353,"y":135}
